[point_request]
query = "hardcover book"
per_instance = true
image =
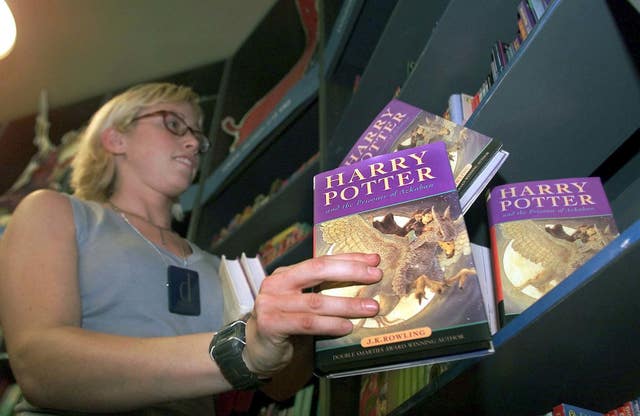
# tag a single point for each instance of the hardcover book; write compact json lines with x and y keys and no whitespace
{"x":473,"y":157}
{"x":253,"y":271}
{"x":564,"y":409}
{"x":540,"y":232}
{"x":403,"y":206}
{"x":240,"y":280}
{"x":460,"y":108}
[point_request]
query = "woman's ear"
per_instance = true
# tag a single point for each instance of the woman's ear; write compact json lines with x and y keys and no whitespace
{"x":113,"y":141}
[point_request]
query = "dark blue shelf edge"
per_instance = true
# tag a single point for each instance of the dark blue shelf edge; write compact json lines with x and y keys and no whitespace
{"x":340,"y":33}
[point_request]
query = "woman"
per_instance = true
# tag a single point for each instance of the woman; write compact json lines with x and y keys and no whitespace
{"x":106,"y":309}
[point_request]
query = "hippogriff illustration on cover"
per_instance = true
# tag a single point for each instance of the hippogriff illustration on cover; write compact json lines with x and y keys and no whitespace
{"x":463,"y":144}
{"x":425,"y":258}
{"x":539,"y":254}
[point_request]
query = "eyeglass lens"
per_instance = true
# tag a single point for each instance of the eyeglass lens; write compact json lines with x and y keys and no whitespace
{"x":178,"y":126}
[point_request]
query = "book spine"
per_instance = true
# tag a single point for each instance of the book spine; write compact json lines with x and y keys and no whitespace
{"x":455,"y":109}
{"x":497,"y":277}
{"x":463,"y":181}
{"x":502,"y":53}
{"x":626,"y":409}
{"x":467,"y":107}
{"x":537,"y":7}
{"x":522,"y":30}
{"x":526,"y":15}
{"x":564,"y":409}
{"x":494,"y":64}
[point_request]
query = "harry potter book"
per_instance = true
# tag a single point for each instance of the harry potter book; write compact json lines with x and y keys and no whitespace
{"x":540,"y":232}
{"x":403,"y":206}
{"x":474,"y":158}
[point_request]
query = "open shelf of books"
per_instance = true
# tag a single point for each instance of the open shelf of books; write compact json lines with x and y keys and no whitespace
{"x":284,"y":141}
{"x":405,"y":29}
{"x":293,"y":199}
{"x":565,"y":104}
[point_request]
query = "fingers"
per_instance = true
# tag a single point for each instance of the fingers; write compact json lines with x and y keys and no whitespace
{"x":282,"y":309}
{"x":310,"y":314}
{"x":346,"y":267}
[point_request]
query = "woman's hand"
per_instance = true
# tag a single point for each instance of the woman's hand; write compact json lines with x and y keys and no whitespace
{"x":283,"y":310}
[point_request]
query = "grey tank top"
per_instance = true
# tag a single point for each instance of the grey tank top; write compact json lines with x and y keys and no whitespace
{"x":123,"y":279}
{"x":123,"y":290}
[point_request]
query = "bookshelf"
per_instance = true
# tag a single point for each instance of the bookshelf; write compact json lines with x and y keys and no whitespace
{"x":568,"y":104}
{"x":286,"y":140}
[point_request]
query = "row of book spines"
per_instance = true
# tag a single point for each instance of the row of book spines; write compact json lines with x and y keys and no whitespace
{"x":628,"y":408}
{"x":301,"y":405}
{"x":248,"y":211}
{"x":241,"y":217}
{"x":281,"y":243}
{"x":529,"y":13}
{"x":404,"y":383}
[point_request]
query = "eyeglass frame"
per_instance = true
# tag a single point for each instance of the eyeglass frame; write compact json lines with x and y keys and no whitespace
{"x":203,"y":141}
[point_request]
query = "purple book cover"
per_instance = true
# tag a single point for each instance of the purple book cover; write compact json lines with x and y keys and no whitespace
{"x":541,"y":231}
{"x":402,"y":126}
{"x":380,"y":137}
{"x":403,"y":206}
{"x":384,"y":180}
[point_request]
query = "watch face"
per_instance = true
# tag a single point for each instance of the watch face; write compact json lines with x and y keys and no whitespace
{"x":228,"y":344}
{"x":235,"y":331}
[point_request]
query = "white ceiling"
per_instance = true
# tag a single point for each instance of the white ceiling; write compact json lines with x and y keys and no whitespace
{"x":78,"y":49}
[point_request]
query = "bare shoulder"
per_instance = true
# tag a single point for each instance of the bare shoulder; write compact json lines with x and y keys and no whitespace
{"x":45,"y":196}
{"x":43,"y":208}
{"x":45,"y":200}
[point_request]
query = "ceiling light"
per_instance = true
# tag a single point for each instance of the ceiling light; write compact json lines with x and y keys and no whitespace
{"x":7,"y":29}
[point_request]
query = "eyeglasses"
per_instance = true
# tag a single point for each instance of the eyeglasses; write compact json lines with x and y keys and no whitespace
{"x":176,"y":125}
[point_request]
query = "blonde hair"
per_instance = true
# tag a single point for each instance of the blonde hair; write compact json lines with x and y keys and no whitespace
{"x":93,"y":169}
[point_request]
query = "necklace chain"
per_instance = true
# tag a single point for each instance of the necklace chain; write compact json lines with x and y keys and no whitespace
{"x":157,"y":250}
{"x":117,"y":208}
{"x":160,"y":229}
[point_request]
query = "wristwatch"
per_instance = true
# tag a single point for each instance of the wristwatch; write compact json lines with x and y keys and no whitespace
{"x":226,"y":350}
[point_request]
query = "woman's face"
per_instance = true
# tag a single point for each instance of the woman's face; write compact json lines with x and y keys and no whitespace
{"x":157,"y":157}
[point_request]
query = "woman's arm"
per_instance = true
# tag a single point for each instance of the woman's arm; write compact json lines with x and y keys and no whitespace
{"x":60,"y":365}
